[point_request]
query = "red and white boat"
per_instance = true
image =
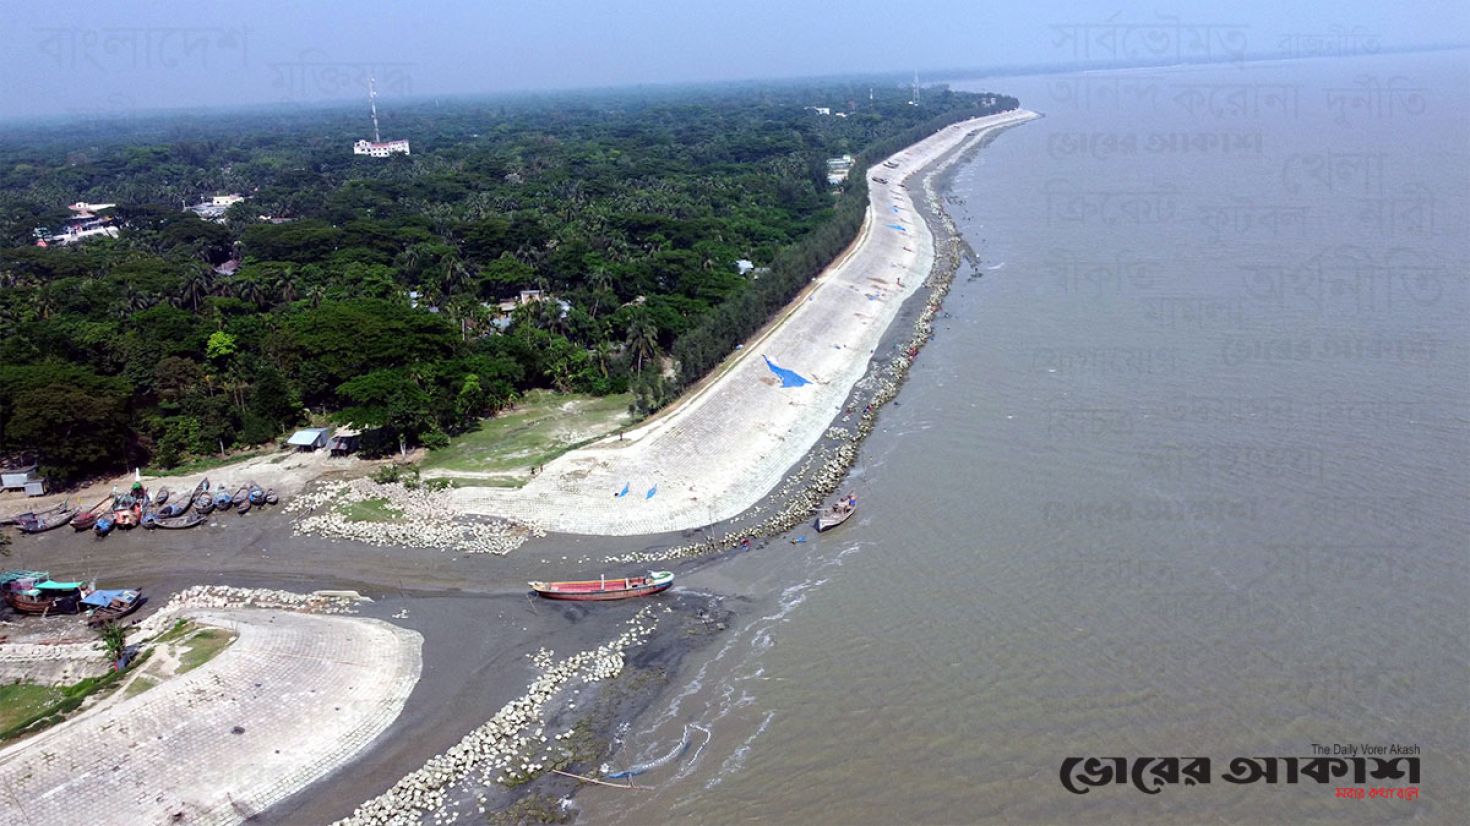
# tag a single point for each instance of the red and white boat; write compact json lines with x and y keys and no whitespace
{"x":604,"y":588}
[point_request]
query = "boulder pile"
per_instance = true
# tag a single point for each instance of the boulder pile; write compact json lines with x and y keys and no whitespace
{"x":423,"y":518}
{"x":512,"y":747}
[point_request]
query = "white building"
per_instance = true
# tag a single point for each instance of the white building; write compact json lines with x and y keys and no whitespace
{"x":380,"y":149}
{"x":837,"y":169}
{"x":215,"y":208}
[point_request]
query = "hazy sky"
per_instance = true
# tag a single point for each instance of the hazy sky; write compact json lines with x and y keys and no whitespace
{"x":116,"y":58}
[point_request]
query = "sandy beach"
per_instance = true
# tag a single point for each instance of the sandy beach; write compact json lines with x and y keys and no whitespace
{"x":728,"y":443}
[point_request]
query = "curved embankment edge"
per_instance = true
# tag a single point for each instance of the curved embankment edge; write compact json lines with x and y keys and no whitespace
{"x":729,"y":444}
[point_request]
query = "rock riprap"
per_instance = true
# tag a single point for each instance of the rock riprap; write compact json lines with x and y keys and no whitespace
{"x":420,"y":518}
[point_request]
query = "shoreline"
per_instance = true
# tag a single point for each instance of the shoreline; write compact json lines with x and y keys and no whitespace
{"x":453,"y":599}
{"x":688,"y":467}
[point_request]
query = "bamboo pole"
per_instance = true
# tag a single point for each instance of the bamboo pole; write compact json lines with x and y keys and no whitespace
{"x":604,"y":782}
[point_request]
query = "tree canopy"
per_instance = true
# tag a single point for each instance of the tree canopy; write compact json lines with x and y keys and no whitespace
{"x":577,"y":242}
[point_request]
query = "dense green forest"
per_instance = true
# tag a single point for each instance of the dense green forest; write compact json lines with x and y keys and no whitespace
{"x":368,"y":289}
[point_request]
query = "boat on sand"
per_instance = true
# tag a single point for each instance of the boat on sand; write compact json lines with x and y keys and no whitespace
{"x":604,"y":589}
{"x":46,"y":597}
{"x":107,"y":606}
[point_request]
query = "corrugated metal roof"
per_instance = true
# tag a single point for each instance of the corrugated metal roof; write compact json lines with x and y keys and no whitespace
{"x":307,"y":436}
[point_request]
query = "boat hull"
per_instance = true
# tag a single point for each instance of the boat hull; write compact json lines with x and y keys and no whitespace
{"x":828,"y":521}
{"x":48,"y":523}
{"x":22,"y":604}
{"x":604,"y":590}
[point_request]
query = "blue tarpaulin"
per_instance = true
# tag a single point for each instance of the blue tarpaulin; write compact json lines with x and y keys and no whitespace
{"x":103,"y":598}
{"x":651,"y":492}
{"x":624,"y":491}
{"x":898,"y":227}
{"x":789,"y":378}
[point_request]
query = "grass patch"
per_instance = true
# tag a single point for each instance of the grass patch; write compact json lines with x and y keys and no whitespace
{"x":543,"y":426}
{"x":203,"y":647}
{"x":486,"y":482}
{"x":177,"y":632}
{"x":22,"y":701}
{"x":64,"y":701}
{"x":370,"y":510}
{"x":138,"y":686}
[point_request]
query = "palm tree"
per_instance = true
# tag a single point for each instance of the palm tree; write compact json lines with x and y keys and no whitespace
{"x":198,"y":282}
{"x":455,"y":273}
{"x":600,"y":280}
{"x":284,"y":285}
{"x":251,"y":289}
{"x":642,"y":338}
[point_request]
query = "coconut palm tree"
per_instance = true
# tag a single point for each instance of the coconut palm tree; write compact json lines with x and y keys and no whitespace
{"x":601,"y":281}
{"x":198,"y":283}
{"x":253,"y":290}
{"x":642,"y":338}
{"x":284,"y":285}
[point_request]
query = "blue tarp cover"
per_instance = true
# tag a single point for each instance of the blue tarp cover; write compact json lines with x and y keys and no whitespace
{"x":49,"y":585}
{"x":789,"y":378}
{"x":103,"y":598}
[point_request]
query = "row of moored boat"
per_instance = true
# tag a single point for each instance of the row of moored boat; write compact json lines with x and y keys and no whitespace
{"x":152,"y":510}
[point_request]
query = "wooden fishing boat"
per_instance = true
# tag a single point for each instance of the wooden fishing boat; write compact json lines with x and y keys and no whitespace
{"x":111,"y":605}
{"x":604,"y":588}
{"x":270,"y":497}
{"x":178,"y":507}
{"x":244,"y":507}
{"x":45,"y":597}
{"x":128,"y":517}
{"x":204,"y":503}
{"x":840,"y":512}
{"x":178,"y":523}
{"x":104,"y":525}
{"x":161,"y":497}
{"x":222,"y":499}
{"x":87,"y":518}
{"x":41,"y":524}
{"x":242,"y":499}
{"x":256,"y":495}
{"x":30,"y":515}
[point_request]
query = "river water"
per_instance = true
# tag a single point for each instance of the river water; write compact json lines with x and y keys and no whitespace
{"x":1185,"y":473}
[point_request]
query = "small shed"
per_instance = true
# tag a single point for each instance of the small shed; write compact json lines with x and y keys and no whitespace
{"x":345,"y":442}
{"x":13,"y":478}
{"x":310,"y":438}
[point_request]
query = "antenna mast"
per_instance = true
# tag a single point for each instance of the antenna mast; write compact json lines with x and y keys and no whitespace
{"x":373,"y":102}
